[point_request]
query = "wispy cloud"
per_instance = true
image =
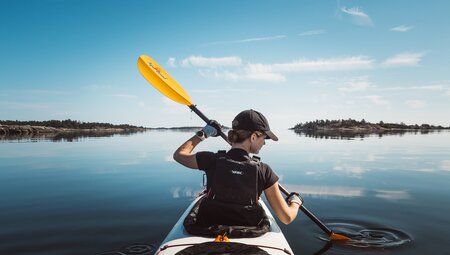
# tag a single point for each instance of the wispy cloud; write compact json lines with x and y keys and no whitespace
{"x":200,"y":61}
{"x":24,"y":106}
{"x":275,"y":72}
{"x":401,"y":28}
{"x":125,"y":96}
{"x":248,"y":73}
{"x":404,"y":59}
{"x":220,"y":91}
{"x":356,"y":84}
{"x":323,"y":64}
{"x":257,"y":39}
{"x":358,"y":16}
{"x":172,"y":62}
{"x":312,"y":32}
{"x":377,"y":100}
{"x":415,"y":104}
{"x":435,"y":88}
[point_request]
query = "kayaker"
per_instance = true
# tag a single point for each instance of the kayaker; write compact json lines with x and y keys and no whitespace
{"x":235,"y":181}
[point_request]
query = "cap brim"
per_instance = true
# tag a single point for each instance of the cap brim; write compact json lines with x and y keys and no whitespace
{"x":271,"y":135}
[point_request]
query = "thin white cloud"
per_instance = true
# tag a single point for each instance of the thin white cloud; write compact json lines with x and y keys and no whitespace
{"x":200,"y":61}
{"x":401,"y":28}
{"x":403,"y":59}
{"x":435,"y":88}
{"x":275,"y":72}
{"x":415,"y":104}
{"x":242,"y":75}
{"x":356,"y":84}
{"x":312,"y":32}
{"x":358,"y":16}
{"x":377,"y":100}
{"x":263,"y":73}
{"x":23,"y":106}
{"x":126,"y":96}
{"x":257,"y":39}
{"x":220,"y":91}
{"x":172,"y":62}
{"x":323,"y":64}
{"x":41,"y":92}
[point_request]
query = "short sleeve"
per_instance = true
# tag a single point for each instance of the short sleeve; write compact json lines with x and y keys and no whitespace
{"x":205,"y":160}
{"x":269,"y":177}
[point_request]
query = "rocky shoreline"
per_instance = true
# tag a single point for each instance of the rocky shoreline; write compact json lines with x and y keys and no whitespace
{"x":27,"y":130}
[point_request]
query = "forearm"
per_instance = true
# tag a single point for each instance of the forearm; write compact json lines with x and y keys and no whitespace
{"x":187,"y":147}
{"x":183,"y":154}
{"x":286,"y":213}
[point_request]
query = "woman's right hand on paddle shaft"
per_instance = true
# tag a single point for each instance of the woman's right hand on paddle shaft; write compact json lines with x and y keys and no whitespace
{"x":212,"y":129}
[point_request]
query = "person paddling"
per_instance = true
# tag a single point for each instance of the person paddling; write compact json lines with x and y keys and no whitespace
{"x":235,"y":181}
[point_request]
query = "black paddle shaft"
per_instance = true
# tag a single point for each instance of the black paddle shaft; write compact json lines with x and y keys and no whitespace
{"x":303,"y":208}
{"x":309,"y":214}
{"x":204,"y":118}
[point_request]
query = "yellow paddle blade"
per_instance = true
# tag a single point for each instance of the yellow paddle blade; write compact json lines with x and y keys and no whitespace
{"x":338,"y":237}
{"x":162,"y":81}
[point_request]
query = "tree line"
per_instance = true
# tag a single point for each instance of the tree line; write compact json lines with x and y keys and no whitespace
{"x":72,"y":124}
{"x":351,"y":123}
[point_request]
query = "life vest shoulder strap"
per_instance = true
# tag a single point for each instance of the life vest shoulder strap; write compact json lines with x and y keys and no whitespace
{"x":222,"y":154}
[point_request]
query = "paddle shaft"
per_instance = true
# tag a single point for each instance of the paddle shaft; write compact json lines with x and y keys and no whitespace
{"x":204,"y":118}
{"x":282,"y":189}
{"x":309,"y":214}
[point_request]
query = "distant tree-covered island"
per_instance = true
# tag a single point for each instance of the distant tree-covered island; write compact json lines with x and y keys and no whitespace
{"x":15,"y":128}
{"x":353,"y":128}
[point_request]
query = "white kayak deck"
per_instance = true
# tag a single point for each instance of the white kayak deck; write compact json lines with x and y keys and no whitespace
{"x":179,"y":236}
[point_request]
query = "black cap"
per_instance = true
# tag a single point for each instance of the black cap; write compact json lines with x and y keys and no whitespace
{"x":252,"y":120}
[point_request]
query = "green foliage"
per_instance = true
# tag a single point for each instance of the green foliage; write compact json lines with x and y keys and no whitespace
{"x":350,"y":123}
{"x":72,"y":124}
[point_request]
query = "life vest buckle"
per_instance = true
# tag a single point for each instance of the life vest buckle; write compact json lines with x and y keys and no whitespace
{"x":222,"y":239}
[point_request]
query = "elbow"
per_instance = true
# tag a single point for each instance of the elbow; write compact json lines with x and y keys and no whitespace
{"x":288,"y":219}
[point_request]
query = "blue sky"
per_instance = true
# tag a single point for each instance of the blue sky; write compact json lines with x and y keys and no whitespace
{"x":294,"y":61}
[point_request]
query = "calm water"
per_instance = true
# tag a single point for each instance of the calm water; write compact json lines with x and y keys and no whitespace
{"x":94,"y":195}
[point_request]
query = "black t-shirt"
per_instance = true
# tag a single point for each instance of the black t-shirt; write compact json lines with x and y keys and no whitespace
{"x":206,"y":161}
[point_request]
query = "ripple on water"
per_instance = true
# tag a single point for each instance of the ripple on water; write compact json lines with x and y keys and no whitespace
{"x":364,"y":236}
{"x":133,"y":249}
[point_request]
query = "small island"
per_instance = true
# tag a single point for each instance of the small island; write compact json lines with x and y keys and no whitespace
{"x":62,"y":129}
{"x":352,"y":128}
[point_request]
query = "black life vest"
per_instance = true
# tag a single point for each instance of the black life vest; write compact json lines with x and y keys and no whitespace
{"x":235,"y":182}
{"x":231,"y":205}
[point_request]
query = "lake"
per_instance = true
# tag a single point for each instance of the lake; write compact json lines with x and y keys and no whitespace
{"x":98,"y":194}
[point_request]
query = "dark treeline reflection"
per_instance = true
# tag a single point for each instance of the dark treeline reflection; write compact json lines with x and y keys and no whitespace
{"x":350,"y":135}
{"x":67,"y":136}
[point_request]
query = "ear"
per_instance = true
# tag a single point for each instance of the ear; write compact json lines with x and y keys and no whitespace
{"x":253,"y":137}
